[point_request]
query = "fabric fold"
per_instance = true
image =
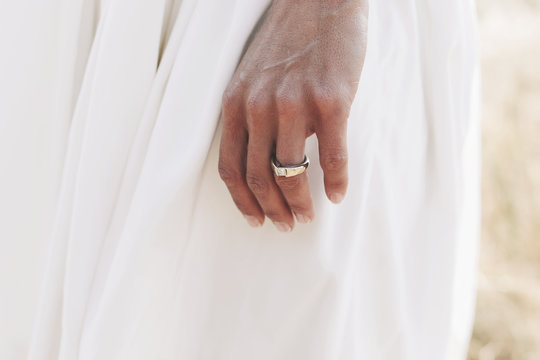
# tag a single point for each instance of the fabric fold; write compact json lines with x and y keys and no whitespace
{"x":146,"y":255}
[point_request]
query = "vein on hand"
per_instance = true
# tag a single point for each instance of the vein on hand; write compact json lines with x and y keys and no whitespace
{"x":293,"y":58}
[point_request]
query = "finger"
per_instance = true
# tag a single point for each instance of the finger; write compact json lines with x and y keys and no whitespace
{"x":259,"y":175}
{"x":231,"y":164}
{"x":333,"y":156}
{"x":290,"y":148}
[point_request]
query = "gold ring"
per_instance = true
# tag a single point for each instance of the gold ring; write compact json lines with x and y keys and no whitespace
{"x":289,"y":171}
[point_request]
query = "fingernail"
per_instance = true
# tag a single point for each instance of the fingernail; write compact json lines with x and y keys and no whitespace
{"x":282,"y":226}
{"x":336,"y":198}
{"x":252,"y":220}
{"x":302,"y":218}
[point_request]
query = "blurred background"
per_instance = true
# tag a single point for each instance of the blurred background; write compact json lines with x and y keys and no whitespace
{"x":508,"y":307}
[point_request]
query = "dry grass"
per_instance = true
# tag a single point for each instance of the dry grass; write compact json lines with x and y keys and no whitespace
{"x":508,"y":309}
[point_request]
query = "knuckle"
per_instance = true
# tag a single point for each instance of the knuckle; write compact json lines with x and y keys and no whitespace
{"x":257,"y":184}
{"x":229,"y":175}
{"x":231,"y":97}
{"x":288,"y":101}
{"x":288,"y":183}
{"x":330,"y":102}
{"x":258,"y":104}
{"x":334,"y":160}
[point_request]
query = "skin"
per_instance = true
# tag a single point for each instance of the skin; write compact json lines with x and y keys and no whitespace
{"x":298,"y":77}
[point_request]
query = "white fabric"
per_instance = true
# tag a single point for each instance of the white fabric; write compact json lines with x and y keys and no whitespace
{"x":113,"y":215}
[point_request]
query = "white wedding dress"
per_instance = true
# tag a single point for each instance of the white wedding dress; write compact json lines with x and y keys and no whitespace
{"x":118,"y":239}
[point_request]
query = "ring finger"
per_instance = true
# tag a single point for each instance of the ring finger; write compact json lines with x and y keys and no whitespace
{"x":290,"y":149}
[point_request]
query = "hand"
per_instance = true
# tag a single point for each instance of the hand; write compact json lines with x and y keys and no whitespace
{"x":298,"y":77}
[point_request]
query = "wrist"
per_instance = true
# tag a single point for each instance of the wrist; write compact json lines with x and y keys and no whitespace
{"x":330,"y":5}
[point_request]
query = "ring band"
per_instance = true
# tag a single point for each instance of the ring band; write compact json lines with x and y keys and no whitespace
{"x":289,"y":171}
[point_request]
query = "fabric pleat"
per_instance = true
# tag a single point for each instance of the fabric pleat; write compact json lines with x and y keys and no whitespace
{"x":123,"y":242}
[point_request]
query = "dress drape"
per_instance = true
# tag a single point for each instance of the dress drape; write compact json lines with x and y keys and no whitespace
{"x":118,"y":239}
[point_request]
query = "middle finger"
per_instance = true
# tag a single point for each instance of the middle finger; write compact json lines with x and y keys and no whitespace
{"x":258,"y":171}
